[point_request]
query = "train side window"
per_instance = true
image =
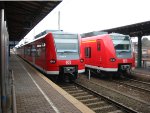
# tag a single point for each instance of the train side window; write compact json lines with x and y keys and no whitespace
{"x":40,"y":48}
{"x":28,"y":51}
{"x":33,"y":51}
{"x":88,"y":52}
{"x":38,"y":52}
{"x":98,"y":45}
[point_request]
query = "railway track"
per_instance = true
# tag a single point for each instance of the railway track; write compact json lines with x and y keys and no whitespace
{"x":96,"y":101}
{"x":136,"y":84}
{"x":136,"y":99}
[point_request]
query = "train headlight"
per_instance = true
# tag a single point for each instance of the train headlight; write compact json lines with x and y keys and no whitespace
{"x":112,"y":59}
{"x":52,"y":61}
{"x":81,"y":60}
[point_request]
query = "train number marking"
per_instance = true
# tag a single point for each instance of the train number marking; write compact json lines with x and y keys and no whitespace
{"x":124,"y":60}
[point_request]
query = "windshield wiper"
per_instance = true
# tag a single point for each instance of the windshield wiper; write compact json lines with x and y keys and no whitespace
{"x":67,"y":52}
{"x":122,"y":52}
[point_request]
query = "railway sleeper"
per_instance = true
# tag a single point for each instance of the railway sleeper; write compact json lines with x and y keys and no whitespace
{"x":104,"y":109}
{"x":116,"y":111}
{"x":97,"y":104}
{"x":79,"y":94}
{"x":84,"y":97}
{"x":66,"y":87}
{"x":91,"y":100}
{"x":74,"y":91}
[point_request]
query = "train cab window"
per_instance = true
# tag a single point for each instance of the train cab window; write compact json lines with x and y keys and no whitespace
{"x":88,"y":52}
{"x":98,"y":45}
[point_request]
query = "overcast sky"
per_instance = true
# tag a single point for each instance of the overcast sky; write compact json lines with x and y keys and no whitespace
{"x":82,"y":16}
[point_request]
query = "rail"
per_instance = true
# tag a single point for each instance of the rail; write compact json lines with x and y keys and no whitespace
{"x":109,"y":100}
{"x":94,"y":100}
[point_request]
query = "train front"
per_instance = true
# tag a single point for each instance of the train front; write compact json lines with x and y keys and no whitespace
{"x":70,"y":60}
{"x":125,"y":59}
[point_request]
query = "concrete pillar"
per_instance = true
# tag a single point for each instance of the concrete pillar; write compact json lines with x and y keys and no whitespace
{"x":139,"y":56}
{"x":2,"y":63}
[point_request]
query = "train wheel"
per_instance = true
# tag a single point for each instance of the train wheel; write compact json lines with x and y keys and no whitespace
{"x":127,"y":73}
{"x":104,"y":75}
{"x":71,"y":80}
{"x":115,"y":75}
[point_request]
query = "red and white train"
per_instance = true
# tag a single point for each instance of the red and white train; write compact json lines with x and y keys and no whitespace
{"x":55,"y":53}
{"x":109,"y":53}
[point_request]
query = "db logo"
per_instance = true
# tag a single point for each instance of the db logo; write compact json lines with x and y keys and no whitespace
{"x":124,"y":60}
{"x":68,"y":62}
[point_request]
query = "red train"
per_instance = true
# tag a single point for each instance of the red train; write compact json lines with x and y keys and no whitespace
{"x":55,"y":53}
{"x":109,"y":53}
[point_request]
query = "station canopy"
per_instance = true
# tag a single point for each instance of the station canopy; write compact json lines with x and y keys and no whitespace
{"x":137,"y":29}
{"x":23,"y":16}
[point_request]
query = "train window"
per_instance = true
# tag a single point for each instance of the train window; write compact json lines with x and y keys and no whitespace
{"x":98,"y":45}
{"x":38,"y":52}
{"x":26,"y":51}
{"x":43,"y":44}
{"x":33,"y":51}
{"x":38,"y":46}
{"x":29,"y":51}
{"x":88,"y":52}
{"x":39,"y":49}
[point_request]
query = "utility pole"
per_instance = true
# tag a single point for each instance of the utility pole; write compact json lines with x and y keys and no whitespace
{"x":58,"y":20}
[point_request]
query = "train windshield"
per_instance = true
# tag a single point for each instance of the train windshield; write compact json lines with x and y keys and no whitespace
{"x":67,"y":45}
{"x":122,"y":45}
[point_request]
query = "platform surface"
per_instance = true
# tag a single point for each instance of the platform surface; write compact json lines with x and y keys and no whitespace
{"x":142,"y":73}
{"x":37,"y":94}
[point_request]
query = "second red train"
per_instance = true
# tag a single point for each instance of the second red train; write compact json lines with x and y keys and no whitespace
{"x":111,"y":53}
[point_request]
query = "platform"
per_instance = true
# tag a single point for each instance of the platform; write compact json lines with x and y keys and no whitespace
{"x":142,"y":73}
{"x":37,"y":94}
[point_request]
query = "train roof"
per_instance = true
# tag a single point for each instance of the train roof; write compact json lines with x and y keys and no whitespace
{"x":53,"y":32}
{"x":44,"y":33}
{"x":118,"y":34}
{"x":94,"y":34}
{"x":103,"y":35}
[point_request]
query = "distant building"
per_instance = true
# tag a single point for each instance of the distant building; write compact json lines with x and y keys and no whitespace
{"x":145,"y":50}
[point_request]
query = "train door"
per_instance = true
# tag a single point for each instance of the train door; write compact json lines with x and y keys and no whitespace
{"x":99,"y":53}
{"x":43,"y":54}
